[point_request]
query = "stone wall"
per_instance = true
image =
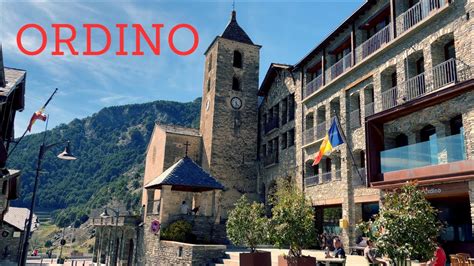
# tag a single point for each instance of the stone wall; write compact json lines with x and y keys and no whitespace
{"x":11,"y":242}
{"x":177,"y":253}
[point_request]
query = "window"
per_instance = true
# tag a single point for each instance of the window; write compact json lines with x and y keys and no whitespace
{"x":328,"y":165}
{"x":362,"y":159}
{"x":456,"y":125}
{"x":237,"y":59}
{"x":264,"y":150}
{"x":420,"y":66}
{"x":235,"y":84}
{"x":208,"y":84}
{"x":427,"y":132}
{"x":449,"y":51}
{"x":284,"y":139}
{"x":209,"y":65}
{"x":291,"y":137}
{"x":291,"y":107}
{"x":394,"y":79}
{"x":401,"y":140}
{"x":284,"y":111}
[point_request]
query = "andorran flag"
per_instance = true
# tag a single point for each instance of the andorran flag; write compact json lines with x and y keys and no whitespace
{"x":37,"y":115}
{"x":332,"y":139}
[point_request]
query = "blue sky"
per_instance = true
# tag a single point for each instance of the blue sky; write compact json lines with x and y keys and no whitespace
{"x":287,"y":30}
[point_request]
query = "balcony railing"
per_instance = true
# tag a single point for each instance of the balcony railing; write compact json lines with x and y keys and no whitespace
{"x":374,"y":43}
{"x":311,"y":181}
{"x":308,"y":136}
{"x":443,"y":74}
{"x":326,"y":177}
{"x":415,"y":87}
{"x":356,"y":178}
{"x":369,"y":109}
{"x":270,"y":159}
{"x":390,"y":98}
{"x":417,"y":13}
{"x":337,"y":175}
{"x":313,"y":86}
{"x":433,"y":152}
{"x":339,"y":67}
{"x":271,"y":124}
{"x":321,"y":130}
{"x":355,"y":118}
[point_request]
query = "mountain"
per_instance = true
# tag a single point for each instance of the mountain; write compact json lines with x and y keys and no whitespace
{"x":110,"y":146}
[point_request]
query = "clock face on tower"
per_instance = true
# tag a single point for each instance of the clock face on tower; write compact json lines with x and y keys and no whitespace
{"x":236,"y":103}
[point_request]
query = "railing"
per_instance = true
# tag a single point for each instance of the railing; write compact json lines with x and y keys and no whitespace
{"x":311,"y":180}
{"x":357,"y":179}
{"x":326,"y":177}
{"x":270,"y":159}
{"x":417,"y":13}
{"x":374,"y":43}
{"x":390,"y":98}
{"x":272,"y":124}
{"x":444,"y":73}
{"x":369,"y":109}
{"x":313,"y":86}
{"x":337,"y":175}
{"x":308,"y":135}
{"x":415,"y":87}
{"x":433,"y":152}
{"x":321,"y":130}
{"x":339,"y":67}
{"x":355,"y":118}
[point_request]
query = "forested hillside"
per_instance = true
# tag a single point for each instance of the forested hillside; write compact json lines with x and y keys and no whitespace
{"x":110,"y":147}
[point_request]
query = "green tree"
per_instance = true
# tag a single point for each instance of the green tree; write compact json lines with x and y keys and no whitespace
{"x":48,"y":244}
{"x":247,"y":224}
{"x":292,"y":222}
{"x":406,"y":225}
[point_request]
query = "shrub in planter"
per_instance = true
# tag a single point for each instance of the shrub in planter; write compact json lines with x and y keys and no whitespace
{"x":405,"y":227}
{"x":247,"y":226}
{"x":179,"y":231}
{"x":292,"y":223}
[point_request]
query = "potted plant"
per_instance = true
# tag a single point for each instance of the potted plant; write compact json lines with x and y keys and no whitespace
{"x":247,"y":226}
{"x":292,"y":223}
{"x":405,"y":227}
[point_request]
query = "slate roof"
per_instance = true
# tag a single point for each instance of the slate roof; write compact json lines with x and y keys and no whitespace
{"x":234,"y":32}
{"x":186,"y":175}
{"x":179,"y":130}
{"x":16,"y":217}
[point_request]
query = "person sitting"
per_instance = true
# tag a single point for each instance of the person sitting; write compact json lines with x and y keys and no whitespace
{"x":439,"y":256}
{"x":338,"y":250}
{"x":371,"y":256}
{"x":184,"y":208}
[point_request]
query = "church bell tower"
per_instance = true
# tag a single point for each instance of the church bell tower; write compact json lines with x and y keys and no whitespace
{"x":229,"y":119}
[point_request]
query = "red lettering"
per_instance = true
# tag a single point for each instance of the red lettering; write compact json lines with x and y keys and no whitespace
{"x":44,"y":39}
{"x":89,"y":28}
{"x":195,"y":41}
{"x":57,"y":28}
{"x":121,"y":50}
{"x":140,"y":31}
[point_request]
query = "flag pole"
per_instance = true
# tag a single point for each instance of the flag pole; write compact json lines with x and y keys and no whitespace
{"x":338,"y":124}
{"x":26,"y":130}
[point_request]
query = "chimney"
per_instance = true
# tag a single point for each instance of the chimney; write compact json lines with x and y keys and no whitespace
{"x":2,"y":69}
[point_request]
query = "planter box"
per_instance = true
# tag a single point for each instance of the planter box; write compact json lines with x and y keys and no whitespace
{"x":291,"y":261}
{"x":259,"y":258}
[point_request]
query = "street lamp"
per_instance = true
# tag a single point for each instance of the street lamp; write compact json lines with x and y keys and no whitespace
{"x":65,"y":155}
{"x":106,"y":215}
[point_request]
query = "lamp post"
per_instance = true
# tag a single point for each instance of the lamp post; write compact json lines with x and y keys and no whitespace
{"x":105,"y":214}
{"x":65,"y":155}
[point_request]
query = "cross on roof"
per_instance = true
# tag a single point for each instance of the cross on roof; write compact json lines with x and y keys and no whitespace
{"x":187,"y":145}
{"x":233,"y":5}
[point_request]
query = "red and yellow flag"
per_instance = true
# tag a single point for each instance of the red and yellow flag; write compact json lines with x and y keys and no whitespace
{"x":332,"y":139}
{"x":37,"y":115}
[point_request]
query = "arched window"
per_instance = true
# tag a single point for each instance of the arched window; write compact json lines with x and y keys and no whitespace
{"x":235,"y":84}
{"x":456,"y":125}
{"x":237,"y":59}
{"x":427,"y":132}
{"x":401,"y":140}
